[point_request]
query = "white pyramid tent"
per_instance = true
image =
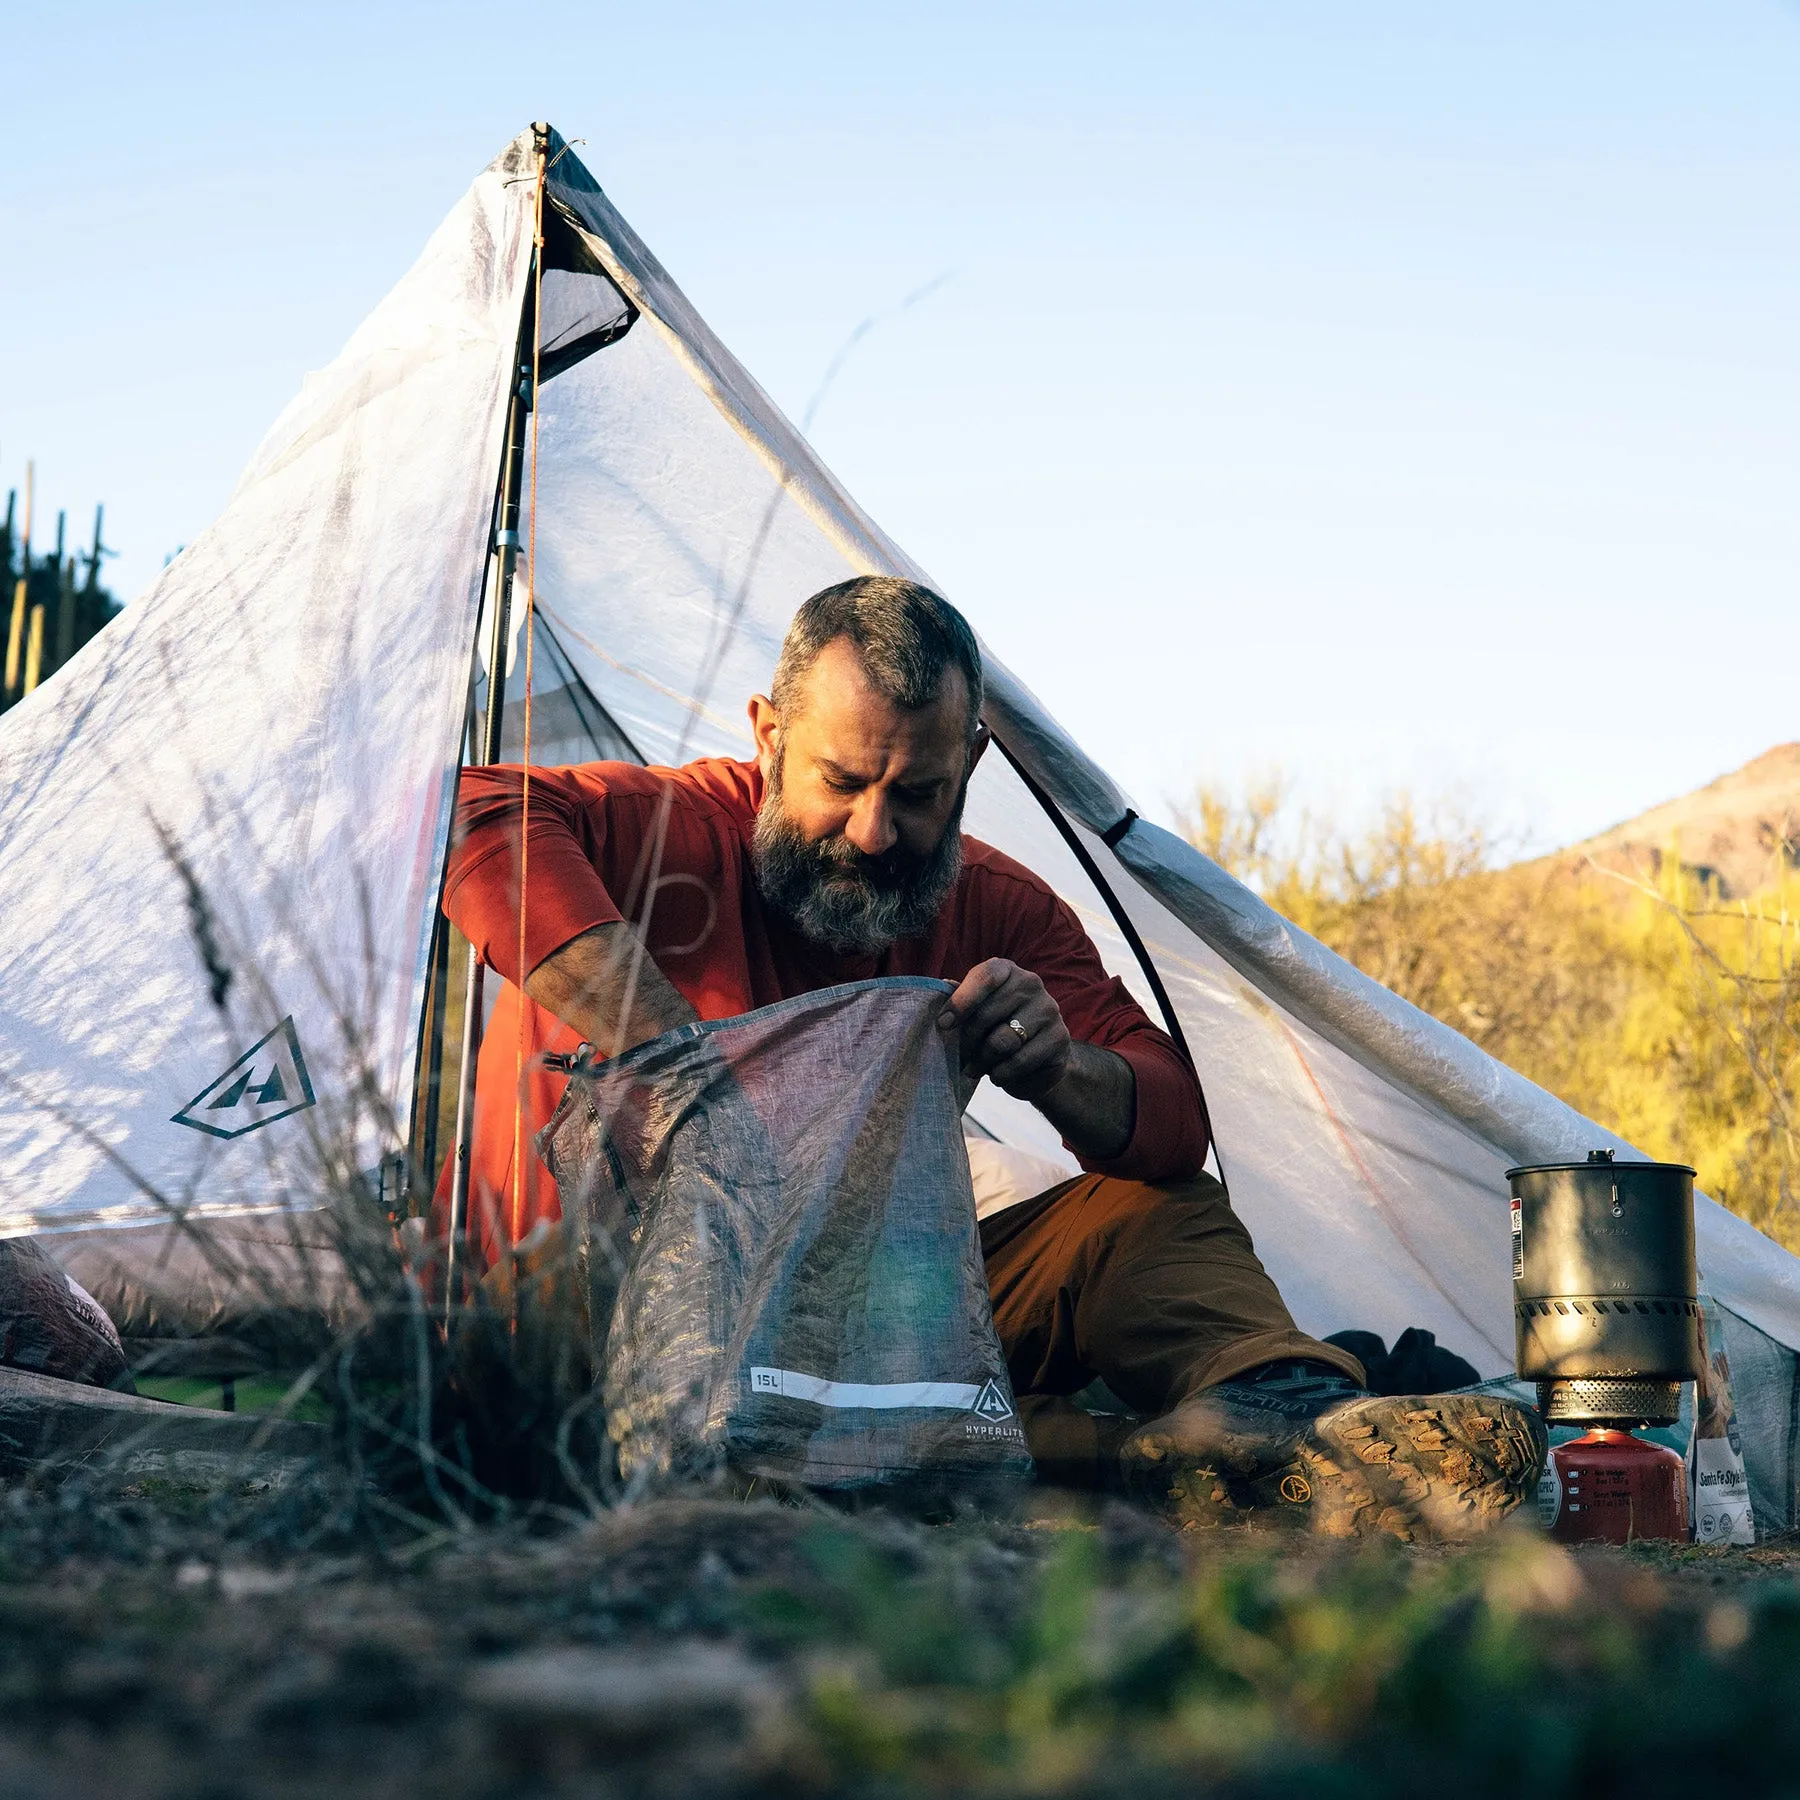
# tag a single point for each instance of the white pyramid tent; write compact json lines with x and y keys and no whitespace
{"x":223,"y":825}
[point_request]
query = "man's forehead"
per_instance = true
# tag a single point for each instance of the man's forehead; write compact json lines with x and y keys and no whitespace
{"x":856,"y":748}
{"x":843,"y":719}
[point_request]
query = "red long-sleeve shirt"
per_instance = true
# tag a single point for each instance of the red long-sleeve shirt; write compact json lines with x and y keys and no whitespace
{"x":593,"y":832}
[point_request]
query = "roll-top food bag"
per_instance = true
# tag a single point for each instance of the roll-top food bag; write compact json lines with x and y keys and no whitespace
{"x":800,"y":1293}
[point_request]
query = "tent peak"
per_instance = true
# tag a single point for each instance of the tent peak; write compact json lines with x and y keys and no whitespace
{"x":519,"y":157}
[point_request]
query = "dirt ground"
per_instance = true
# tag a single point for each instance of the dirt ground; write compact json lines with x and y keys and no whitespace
{"x":181,"y":1644}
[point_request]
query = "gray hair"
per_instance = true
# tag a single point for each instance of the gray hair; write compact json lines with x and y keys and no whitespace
{"x":906,"y":638}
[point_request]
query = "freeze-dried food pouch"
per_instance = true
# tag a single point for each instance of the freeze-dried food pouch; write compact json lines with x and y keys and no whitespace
{"x":1719,"y":1491}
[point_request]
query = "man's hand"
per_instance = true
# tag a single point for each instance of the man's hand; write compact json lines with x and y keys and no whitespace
{"x":1012,"y":1031}
{"x":604,"y":986}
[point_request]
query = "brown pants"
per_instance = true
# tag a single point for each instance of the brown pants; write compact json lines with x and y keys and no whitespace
{"x":1154,"y":1289}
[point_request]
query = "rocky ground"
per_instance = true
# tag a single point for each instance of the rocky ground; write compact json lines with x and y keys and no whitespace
{"x":169,"y":1641}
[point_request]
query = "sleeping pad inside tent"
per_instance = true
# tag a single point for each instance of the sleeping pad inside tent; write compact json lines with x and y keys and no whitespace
{"x":240,"y":793}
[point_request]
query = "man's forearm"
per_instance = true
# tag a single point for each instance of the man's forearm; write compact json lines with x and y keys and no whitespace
{"x":604,"y":986}
{"x":1094,"y":1105}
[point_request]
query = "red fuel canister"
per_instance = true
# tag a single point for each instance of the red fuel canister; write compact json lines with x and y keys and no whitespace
{"x":1610,"y":1487}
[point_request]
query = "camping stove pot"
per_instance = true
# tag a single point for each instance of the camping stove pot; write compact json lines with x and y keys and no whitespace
{"x":1605,"y":1310}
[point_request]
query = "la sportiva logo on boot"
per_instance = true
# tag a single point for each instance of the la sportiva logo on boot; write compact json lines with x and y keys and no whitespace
{"x":268,"y":1082}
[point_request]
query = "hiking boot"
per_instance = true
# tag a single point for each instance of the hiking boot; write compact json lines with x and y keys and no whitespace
{"x":1308,"y":1449}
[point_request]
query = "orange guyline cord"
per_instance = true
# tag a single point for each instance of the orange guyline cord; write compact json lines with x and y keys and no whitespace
{"x":516,"y":1218}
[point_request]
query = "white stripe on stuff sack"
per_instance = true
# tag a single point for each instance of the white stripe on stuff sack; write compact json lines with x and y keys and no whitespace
{"x":956,"y":1396}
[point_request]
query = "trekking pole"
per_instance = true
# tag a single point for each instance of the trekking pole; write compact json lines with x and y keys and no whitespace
{"x":506,"y":554}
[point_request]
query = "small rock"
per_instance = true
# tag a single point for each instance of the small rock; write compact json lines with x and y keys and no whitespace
{"x":244,"y":1584}
{"x":622,"y":1696}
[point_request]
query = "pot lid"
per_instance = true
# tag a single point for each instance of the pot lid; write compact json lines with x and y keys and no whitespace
{"x":1597,"y":1161}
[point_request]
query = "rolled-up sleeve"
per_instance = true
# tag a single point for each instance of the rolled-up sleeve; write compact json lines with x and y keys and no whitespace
{"x":566,"y":833}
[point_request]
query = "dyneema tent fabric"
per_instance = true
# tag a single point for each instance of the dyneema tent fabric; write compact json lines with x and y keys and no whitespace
{"x":222,"y":826}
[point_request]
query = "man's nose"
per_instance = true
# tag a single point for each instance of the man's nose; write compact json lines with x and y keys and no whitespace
{"x":871,"y":825}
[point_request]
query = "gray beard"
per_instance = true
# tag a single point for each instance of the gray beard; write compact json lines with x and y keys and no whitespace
{"x":837,"y":895}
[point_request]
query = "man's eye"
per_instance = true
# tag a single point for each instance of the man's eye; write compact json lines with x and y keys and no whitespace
{"x":916,"y":796}
{"x":842,"y":787}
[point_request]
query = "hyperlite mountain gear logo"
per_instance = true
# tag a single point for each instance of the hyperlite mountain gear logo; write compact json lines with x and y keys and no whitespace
{"x":268,"y":1082}
{"x":991,"y":1404}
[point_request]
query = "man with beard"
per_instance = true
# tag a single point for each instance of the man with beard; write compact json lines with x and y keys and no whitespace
{"x":661,"y":896}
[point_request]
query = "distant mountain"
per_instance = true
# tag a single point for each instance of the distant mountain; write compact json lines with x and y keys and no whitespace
{"x":1740,"y":830}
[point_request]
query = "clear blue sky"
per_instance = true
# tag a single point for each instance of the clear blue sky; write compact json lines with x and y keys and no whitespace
{"x":1391,"y":392}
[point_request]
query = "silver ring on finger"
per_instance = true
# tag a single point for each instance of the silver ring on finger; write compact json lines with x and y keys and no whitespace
{"x":1018,"y":1031}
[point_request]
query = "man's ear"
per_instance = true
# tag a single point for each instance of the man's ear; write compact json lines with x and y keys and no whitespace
{"x":765,"y":731}
{"x":977,"y":748}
